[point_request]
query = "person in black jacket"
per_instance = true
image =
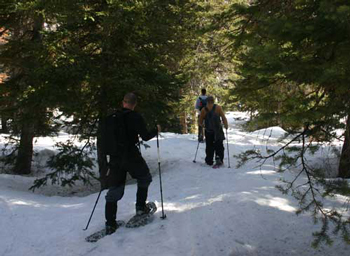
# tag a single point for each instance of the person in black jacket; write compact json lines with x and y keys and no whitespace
{"x":201,"y":102}
{"x":134,"y":164}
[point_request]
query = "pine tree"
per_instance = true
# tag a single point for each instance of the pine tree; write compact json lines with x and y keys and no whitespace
{"x":294,"y":71}
{"x":23,"y":54}
{"x":292,"y":55}
{"x":101,"y":50}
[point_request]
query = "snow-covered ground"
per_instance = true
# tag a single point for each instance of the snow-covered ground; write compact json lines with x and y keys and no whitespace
{"x":226,"y":211}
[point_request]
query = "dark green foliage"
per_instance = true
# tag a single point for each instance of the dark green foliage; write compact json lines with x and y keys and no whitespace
{"x":294,"y":72}
{"x":70,"y":164}
{"x":8,"y":154}
{"x":115,"y":47}
{"x":26,"y":95}
{"x":85,"y":58}
{"x":292,"y":63}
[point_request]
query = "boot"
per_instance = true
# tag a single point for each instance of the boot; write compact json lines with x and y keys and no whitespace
{"x":218,"y":161}
{"x":141,"y":197}
{"x":140,"y":210}
{"x":110,"y":229}
{"x":111,"y":214}
{"x":200,"y":138}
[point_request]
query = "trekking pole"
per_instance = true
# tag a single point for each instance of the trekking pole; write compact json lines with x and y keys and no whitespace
{"x":194,"y":160}
{"x":160,"y":180}
{"x":93,"y":210}
{"x":228,"y":151}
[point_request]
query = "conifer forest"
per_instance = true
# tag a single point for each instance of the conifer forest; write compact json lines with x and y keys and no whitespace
{"x":66,"y":64}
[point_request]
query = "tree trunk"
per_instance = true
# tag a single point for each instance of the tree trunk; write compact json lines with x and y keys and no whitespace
{"x":194,"y":124}
{"x":183,"y":121}
{"x":344,"y":164}
{"x":29,"y":120}
{"x":25,"y":151}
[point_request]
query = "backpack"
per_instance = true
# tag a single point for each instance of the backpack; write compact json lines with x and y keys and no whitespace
{"x":213,"y":124}
{"x":202,"y":103}
{"x":114,"y":135}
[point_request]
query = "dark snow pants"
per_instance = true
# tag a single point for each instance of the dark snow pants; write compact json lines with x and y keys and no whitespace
{"x":138,"y":169}
{"x":212,"y":147}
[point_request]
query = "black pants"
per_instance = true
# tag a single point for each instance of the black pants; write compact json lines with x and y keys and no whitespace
{"x":136,"y":166}
{"x":212,"y":147}
{"x":200,"y":131}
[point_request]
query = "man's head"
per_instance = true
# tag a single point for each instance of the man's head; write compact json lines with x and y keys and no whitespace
{"x":130,"y":101}
{"x":210,"y":100}
{"x":204,"y":91}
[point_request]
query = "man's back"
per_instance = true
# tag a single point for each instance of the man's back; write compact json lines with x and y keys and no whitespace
{"x":135,"y":126}
{"x":218,"y":110}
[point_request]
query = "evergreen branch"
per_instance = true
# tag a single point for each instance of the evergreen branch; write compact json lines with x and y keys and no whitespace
{"x":312,"y":189}
{"x":295,"y":179}
{"x":285,"y":146}
{"x":340,"y":138}
{"x":306,"y":203}
{"x":70,"y":164}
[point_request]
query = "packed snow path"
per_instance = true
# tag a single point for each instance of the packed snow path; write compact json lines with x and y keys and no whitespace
{"x":226,"y":211}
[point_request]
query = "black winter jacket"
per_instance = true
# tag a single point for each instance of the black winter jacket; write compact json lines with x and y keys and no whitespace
{"x":135,"y":126}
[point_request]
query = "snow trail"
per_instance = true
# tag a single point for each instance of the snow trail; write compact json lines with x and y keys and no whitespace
{"x":214,"y":212}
